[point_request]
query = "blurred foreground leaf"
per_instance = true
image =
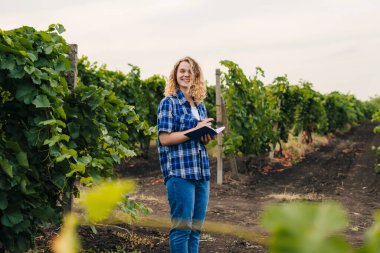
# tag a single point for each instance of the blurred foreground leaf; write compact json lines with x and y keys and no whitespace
{"x":372,"y":237}
{"x":306,"y":228}
{"x":99,"y":201}
{"x":67,"y":241}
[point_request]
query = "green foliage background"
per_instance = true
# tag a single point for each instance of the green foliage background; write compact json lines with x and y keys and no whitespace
{"x":49,"y":135}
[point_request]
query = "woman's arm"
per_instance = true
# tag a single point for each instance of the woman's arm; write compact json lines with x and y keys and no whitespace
{"x":175,"y":138}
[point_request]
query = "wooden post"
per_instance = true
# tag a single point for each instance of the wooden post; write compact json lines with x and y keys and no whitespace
{"x":71,"y":77}
{"x":219,"y":119}
{"x":300,"y":137}
{"x":275,"y":128}
{"x":273,"y":147}
{"x":231,"y":158}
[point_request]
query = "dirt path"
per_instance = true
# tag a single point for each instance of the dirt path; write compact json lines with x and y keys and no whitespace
{"x":341,"y":171}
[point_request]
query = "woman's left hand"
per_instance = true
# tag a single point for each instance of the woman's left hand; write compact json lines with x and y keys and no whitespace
{"x":205,"y":139}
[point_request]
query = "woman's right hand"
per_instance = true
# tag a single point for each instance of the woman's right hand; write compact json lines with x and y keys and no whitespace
{"x":205,"y":122}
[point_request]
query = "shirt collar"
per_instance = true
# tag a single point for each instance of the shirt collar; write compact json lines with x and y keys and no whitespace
{"x":181,"y":97}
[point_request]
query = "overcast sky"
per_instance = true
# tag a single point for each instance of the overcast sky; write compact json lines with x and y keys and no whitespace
{"x":334,"y":44}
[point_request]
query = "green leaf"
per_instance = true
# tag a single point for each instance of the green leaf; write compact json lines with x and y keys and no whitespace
{"x":50,"y":71}
{"x":74,"y":130}
{"x":49,"y":49}
{"x":32,"y":136}
{"x":80,"y":167}
{"x":26,"y":187}
{"x":53,"y":83}
{"x":27,"y":43}
{"x":51,"y":27}
{"x":44,"y":35}
{"x":60,"y":28}
{"x":56,"y":138}
{"x":61,"y":112}
{"x":52,"y":122}
{"x":85,"y":159}
{"x":124,"y":136}
{"x":10,"y":219}
{"x":29,"y":69}
{"x":66,"y":153}
{"x":7,"y":49}
{"x":26,"y":93}
{"x":41,"y":101}
{"x":6,"y":166}
{"x":63,"y":64}
{"x":86,"y":181}
{"x":23,"y":226}
{"x":17,"y":73}
{"x":59,"y":181}
{"x":5,"y":221}
{"x":62,"y":157}
{"x":22,"y":159}
{"x":8,"y":40}
{"x":32,"y":56}
{"x":14,"y":146}
{"x":8,"y":63}
{"x":36,"y":79}
{"x":3,"y":200}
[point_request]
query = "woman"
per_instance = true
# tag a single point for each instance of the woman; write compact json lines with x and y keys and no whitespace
{"x":184,"y":162}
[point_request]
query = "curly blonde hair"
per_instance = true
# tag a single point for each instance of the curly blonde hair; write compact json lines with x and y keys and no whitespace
{"x":197,"y":83}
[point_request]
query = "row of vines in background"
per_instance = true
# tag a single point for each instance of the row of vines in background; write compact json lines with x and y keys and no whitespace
{"x":376,"y":118}
{"x":142,"y":95}
{"x":264,"y":115}
{"x":50,"y":135}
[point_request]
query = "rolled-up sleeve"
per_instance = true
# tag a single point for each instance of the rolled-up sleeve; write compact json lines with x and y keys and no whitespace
{"x":165,"y":118}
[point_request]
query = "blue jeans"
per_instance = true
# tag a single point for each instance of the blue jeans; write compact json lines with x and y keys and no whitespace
{"x":188,"y":202}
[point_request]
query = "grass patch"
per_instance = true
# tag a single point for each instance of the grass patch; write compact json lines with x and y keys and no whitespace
{"x":295,"y":196}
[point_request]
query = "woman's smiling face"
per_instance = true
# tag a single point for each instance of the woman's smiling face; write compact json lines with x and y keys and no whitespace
{"x":184,"y":75}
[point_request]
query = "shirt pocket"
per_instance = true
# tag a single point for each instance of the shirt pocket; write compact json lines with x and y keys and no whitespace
{"x":185,"y":122}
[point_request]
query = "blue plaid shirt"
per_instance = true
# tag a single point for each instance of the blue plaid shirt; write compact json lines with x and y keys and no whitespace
{"x":188,"y":160}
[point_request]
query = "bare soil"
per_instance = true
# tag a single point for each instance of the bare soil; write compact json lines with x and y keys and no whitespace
{"x":342,"y":170}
